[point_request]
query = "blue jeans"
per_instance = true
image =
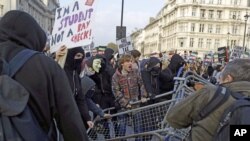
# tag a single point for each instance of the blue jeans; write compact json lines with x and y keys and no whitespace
{"x":133,"y":120}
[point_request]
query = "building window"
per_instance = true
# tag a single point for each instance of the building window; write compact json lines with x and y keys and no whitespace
{"x":236,"y":2}
{"x":183,"y":27}
{"x":192,"y":27}
{"x":202,"y":1}
{"x":210,"y":28}
{"x":233,"y":43}
{"x":216,"y":43}
{"x":232,"y":15}
{"x":211,"y":1}
{"x":181,"y":42}
{"x":239,"y":15}
{"x":202,"y":13}
{"x":219,"y":2}
{"x":210,"y":14}
{"x":200,"y":43}
{"x":193,"y":12}
{"x":209,"y":42}
{"x":218,"y":27}
{"x":182,"y":12}
{"x":194,"y":1}
{"x":235,"y":29}
{"x":219,"y":13}
{"x":201,"y":28}
{"x":191,"y":43}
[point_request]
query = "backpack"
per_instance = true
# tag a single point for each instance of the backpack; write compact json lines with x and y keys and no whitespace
{"x":238,"y":113}
{"x":17,"y":122}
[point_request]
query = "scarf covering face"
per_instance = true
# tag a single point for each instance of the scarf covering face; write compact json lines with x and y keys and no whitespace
{"x":13,"y":28}
{"x":71,"y":63}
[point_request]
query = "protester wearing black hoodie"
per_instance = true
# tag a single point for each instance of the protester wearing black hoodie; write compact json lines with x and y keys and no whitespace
{"x":50,"y":93}
{"x":72,"y":68}
{"x":103,"y":92}
{"x":109,"y":55}
{"x":167,"y":75}
{"x":150,"y":76}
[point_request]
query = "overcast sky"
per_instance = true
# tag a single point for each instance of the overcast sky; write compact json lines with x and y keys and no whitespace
{"x":108,"y":16}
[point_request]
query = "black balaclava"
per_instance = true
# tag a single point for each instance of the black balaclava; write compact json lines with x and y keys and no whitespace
{"x":22,"y":29}
{"x":72,"y":68}
{"x":176,"y":62}
{"x":152,"y":68}
{"x":71,"y":63}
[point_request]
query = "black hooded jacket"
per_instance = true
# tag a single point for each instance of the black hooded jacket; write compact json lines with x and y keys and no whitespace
{"x":50,"y":93}
{"x":167,"y":75}
{"x":150,"y":75}
{"x":103,"y":81}
{"x":72,"y":68}
{"x":109,"y":54}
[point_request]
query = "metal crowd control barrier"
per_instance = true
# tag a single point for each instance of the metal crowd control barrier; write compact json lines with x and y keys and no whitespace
{"x":147,"y":123}
{"x":130,"y":122}
{"x":151,"y":136}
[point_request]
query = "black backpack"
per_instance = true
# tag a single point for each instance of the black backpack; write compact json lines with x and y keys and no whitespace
{"x":236,"y":114}
{"x":17,"y":122}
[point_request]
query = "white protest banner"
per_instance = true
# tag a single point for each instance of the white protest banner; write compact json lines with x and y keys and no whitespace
{"x":237,"y":52}
{"x":72,"y":25}
{"x":124,"y":45}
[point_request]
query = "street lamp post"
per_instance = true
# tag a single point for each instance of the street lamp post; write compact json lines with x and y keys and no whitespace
{"x":122,"y":13}
{"x":228,"y":39}
{"x":246,"y":18}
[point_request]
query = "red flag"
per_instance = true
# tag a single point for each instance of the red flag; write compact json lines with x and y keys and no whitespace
{"x":89,"y":2}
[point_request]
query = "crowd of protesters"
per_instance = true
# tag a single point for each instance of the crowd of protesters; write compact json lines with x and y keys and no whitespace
{"x":66,"y":85}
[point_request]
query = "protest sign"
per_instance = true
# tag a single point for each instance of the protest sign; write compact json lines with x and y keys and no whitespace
{"x":237,"y":52}
{"x":216,"y":58}
{"x":72,"y":26}
{"x":124,"y":45}
{"x":222,"y":52}
{"x":208,"y":58}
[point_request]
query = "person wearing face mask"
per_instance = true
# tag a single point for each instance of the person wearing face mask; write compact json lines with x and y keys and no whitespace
{"x":150,"y":76}
{"x":103,"y":92}
{"x":233,"y":79}
{"x":72,"y":68}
